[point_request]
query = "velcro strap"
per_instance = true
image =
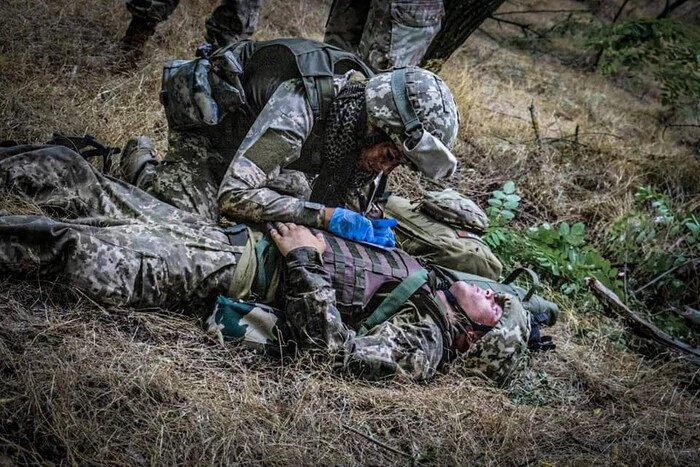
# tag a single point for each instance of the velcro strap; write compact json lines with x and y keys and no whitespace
{"x":408,"y":116}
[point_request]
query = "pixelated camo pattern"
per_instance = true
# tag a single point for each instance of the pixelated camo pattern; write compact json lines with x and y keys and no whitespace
{"x":498,"y":352}
{"x":431,"y":100}
{"x":452,"y":207}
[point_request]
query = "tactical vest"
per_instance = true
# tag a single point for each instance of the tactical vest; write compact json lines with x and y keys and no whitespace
{"x":222,"y":92}
{"x":267,"y":64}
{"x":358,"y":272}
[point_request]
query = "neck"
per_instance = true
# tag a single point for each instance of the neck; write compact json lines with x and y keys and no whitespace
{"x":450,"y":312}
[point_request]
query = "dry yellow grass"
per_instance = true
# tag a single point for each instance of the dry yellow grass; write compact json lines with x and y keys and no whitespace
{"x":80,"y":384}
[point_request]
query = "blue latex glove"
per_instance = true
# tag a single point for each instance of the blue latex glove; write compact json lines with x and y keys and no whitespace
{"x":382,"y":234}
{"x":349,"y":224}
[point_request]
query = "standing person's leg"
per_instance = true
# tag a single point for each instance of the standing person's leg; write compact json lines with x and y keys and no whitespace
{"x":398,"y":32}
{"x":233,"y":20}
{"x":345,"y":24}
{"x":146,"y":14}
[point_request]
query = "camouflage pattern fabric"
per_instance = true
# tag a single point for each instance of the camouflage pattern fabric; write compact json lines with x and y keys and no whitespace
{"x":410,"y":345}
{"x":117,"y":244}
{"x":121,"y":246}
{"x":441,"y":243}
{"x":273,"y":142}
{"x":498,"y":353}
{"x":452,"y":207}
{"x":430,"y":98}
{"x":230,"y":21}
{"x":186,"y":178}
{"x":384,"y":34}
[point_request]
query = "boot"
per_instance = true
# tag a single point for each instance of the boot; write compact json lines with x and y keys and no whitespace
{"x":137,"y":153}
{"x":137,"y":34}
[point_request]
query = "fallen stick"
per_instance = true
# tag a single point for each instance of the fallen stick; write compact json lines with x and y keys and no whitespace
{"x":611,"y":301}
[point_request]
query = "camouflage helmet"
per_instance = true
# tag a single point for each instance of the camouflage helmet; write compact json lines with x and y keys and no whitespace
{"x":427,"y":139}
{"x":497,"y":353}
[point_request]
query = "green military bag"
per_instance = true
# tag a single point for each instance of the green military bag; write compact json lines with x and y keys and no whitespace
{"x":441,"y":230}
{"x":200,"y":92}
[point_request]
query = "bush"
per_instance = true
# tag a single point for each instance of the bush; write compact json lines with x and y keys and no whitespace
{"x":560,"y":253}
{"x":665,"y":47}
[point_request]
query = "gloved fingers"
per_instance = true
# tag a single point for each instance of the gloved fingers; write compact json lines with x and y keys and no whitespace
{"x":384,"y":240}
{"x":384,"y":223}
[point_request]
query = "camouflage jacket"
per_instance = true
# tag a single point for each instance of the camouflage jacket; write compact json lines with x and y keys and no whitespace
{"x":255,"y":186}
{"x":411,"y":344}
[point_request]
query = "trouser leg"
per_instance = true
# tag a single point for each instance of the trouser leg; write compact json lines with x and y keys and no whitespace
{"x":345,"y":24}
{"x":185,"y":179}
{"x":398,"y":32}
{"x":153,"y":11}
{"x":63,"y":184}
{"x":122,"y":263}
{"x":233,"y":20}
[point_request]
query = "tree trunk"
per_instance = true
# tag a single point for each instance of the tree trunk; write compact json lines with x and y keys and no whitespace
{"x":462,"y":18}
{"x":669,"y":8}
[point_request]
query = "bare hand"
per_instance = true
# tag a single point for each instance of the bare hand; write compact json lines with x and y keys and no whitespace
{"x":288,"y":237}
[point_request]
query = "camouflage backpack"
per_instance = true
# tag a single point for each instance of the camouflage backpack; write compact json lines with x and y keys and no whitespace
{"x":441,"y":230}
{"x":451,"y":207}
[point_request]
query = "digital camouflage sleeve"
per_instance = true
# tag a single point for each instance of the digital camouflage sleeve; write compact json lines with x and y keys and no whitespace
{"x":250,"y":189}
{"x":409,"y":345}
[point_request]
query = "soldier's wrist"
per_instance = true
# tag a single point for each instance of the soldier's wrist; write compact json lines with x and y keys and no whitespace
{"x":328,"y":213}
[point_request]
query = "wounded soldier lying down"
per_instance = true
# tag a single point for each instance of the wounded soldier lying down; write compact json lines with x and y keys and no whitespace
{"x":375,"y":312}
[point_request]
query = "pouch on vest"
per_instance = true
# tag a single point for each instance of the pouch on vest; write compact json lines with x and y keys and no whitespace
{"x":440,"y":242}
{"x":452,"y":207}
{"x":200,"y":92}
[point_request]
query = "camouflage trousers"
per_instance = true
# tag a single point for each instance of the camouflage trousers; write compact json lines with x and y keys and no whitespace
{"x":187,"y":177}
{"x":231,"y":20}
{"x":112,"y":241}
{"x":384,"y":34}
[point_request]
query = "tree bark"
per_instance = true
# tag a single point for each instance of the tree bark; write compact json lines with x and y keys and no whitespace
{"x":462,"y":18}
{"x":669,"y":8}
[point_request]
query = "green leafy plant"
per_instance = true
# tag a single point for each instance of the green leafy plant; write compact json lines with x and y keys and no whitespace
{"x":561,"y":254}
{"x":665,"y":47}
{"x":654,"y":241}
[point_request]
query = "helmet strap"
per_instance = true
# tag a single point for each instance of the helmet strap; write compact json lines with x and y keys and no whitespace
{"x":411,"y":123}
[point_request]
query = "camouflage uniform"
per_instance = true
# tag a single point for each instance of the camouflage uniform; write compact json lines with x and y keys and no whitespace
{"x":231,"y":20}
{"x":245,"y":172}
{"x":384,"y":34}
{"x":111,"y":240}
{"x":121,"y":246}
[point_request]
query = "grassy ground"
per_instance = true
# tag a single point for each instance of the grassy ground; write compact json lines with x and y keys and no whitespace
{"x":81,"y":384}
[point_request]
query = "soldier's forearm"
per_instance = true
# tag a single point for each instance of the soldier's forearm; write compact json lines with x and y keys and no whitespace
{"x":265,"y":205}
{"x":310,"y":302}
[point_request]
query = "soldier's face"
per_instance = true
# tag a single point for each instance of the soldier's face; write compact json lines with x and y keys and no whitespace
{"x":478,"y":303}
{"x":381,"y":157}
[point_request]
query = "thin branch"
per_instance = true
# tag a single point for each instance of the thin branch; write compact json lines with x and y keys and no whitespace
{"x":670,"y":271}
{"x":674,"y":126}
{"x":539,"y":11}
{"x":612,"y":302}
{"x":669,"y":8}
{"x":600,"y":52}
{"x":376,"y":441}
{"x":619,"y":12}
{"x":524,"y":27}
{"x":535,"y":124}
